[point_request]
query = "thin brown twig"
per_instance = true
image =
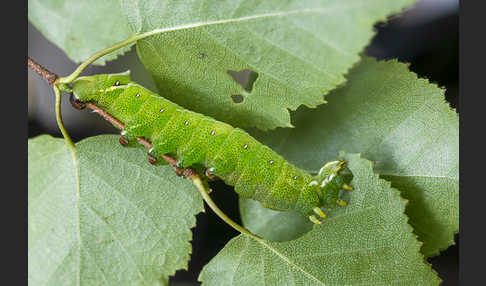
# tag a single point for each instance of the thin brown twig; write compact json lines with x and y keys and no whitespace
{"x":44,"y":73}
{"x":188,"y":172}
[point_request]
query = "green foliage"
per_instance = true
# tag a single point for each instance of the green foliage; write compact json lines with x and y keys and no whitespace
{"x":81,"y":28}
{"x":270,"y":224}
{"x":400,"y":122}
{"x":300,"y":49}
{"x":107,"y":217}
{"x":321,"y":39}
{"x":103,"y":215}
{"x":367,"y":243}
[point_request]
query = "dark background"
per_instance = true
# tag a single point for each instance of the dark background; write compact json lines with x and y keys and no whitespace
{"x":426,"y":36}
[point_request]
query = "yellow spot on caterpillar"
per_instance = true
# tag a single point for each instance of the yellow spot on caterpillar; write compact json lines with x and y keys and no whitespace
{"x":341,"y":203}
{"x":319,"y":212}
{"x":314,"y":219}
{"x":347,"y":187}
{"x":327,"y":180}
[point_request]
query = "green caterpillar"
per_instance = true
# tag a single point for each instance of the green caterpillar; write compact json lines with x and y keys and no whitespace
{"x":229,"y":153}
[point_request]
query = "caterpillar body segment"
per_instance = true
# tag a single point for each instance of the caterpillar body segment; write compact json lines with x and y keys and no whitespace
{"x":226,"y":152}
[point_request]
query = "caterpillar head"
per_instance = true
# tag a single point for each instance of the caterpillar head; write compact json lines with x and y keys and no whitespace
{"x":86,"y":87}
{"x":331,"y":184}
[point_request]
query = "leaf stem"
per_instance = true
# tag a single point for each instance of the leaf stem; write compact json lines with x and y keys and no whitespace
{"x":52,"y":78}
{"x":90,"y":60}
{"x":65,"y":134}
{"x":85,"y":64}
{"x":203,"y":190}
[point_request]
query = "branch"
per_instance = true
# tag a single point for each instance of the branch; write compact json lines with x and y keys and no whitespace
{"x":43,"y":72}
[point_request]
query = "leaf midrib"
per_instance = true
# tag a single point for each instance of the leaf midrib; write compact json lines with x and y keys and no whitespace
{"x":284,"y":258}
{"x":247,"y":18}
{"x":419,"y":176}
{"x":291,"y":263}
{"x":78,"y":200}
{"x":122,"y":247}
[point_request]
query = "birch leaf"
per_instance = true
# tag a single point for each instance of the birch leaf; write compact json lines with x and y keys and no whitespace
{"x":107,"y":217}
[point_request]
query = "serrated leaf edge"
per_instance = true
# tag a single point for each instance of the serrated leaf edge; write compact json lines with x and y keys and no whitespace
{"x":396,"y":193}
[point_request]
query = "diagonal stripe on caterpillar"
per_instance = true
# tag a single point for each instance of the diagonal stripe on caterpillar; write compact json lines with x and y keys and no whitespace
{"x":221,"y":150}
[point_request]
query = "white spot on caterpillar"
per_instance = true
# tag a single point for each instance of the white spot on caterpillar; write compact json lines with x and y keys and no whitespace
{"x":327,"y":179}
{"x":115,"y":87}
{"x":117,"y":83}
{"x":212,"y":132}
{"x":313,"y":183}
{"x":245,"y":146}
{"x":271,"y":162}
{"x":187,"y":122}
{"x":162,"y":110}
{"x":295,"y":177}
{"x":138,"y":95}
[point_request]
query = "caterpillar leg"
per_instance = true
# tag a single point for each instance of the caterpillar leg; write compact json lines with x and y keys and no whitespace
{"x":341,"y":202}
{"x":209,"y":174}
{"x":314,"y":219}
{"x":152,"y":160}
{"x":178,"y":171}
{"x":76,"y":103}
{"x":346,"y":187}
{"x":124,"y":138}
{"x":319,"y":212}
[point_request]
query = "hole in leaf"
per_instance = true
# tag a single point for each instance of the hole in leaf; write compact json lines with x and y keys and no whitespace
{"x":237,"y":98}
{"x":246,"y":78}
